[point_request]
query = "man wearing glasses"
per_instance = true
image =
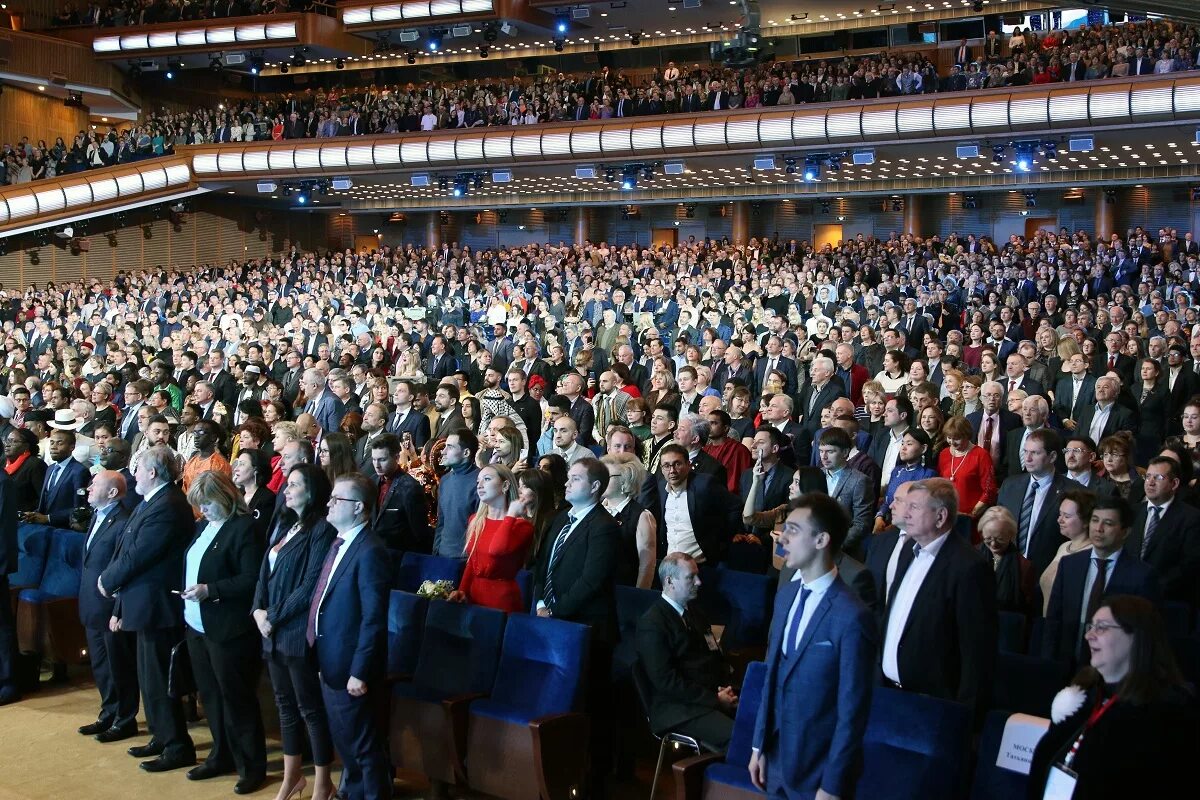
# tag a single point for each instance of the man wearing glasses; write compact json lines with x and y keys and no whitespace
{"x":1085,"y":578}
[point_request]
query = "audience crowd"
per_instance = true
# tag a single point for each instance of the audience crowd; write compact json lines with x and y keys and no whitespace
{"x":1008,"y":428}
{"x":122,"y":13}
{"x":1089,"y":53}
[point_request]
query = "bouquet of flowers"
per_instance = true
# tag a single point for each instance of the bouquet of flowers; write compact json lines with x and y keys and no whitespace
{"x":435,"y":590}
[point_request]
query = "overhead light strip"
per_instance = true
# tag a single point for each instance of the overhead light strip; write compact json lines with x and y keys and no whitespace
{"x":422,"y":9}
{"x":195,"y":37}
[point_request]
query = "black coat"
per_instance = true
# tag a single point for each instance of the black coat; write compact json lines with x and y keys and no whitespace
{"x":683,"y":673}
{"x":402,"y":520}
{"x":94,"y":608}
{"x":25,"y":485}
{"x":1173,"y":554}
{"x":229,"y":567}
{"x":584,"y":574}
{"x":714,"y":512}
{"x":285,"y":592}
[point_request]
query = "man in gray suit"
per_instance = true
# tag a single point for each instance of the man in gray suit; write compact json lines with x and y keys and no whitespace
{"x":848,"y":486}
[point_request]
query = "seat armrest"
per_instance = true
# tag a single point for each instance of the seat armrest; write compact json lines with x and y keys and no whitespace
{"x":560,"y":747}
{"x":457,"y":709}
{"x":689,"y":775}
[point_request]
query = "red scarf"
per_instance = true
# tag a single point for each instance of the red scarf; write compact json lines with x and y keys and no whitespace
{"x":13,"y":466}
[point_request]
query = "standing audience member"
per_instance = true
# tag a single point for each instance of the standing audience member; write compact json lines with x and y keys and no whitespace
{"x":401,"y":519}
{"x":498,"y":540}
{"x":1015,"y":579}
{"x":457,"y":498}
{"x":637,"y":554}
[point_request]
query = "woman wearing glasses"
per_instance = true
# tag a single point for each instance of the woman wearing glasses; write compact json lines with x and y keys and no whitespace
{"x":1127,"y":726}
{"x":286,"y":582}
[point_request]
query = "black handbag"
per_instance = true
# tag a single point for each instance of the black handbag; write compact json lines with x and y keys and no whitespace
{"x":180,"y":680}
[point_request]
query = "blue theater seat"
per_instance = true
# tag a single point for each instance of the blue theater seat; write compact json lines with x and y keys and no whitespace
{"x":529,"y":739}
{"x":460,"y":649}
{"x":716,"y":777}
{"x":33,"y":542}
{"x":416,"y":568}
{"x":1026,"y":683}
{"x":525,"y":582}
{"x":915,"y":747}
{"x":48,"y":616}
{"x":742,"y":602}
{"x":992,"y":782}
{"x":406,"y":627}
{"x":632,"y":603}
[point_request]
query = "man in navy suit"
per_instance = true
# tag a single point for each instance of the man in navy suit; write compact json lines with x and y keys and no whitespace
{"x":406,"y":419}
{"x":991,"y":424}
{"x":321,"y":402}
{"x":1074,"y":392}
{"x":820,"y":666}
{"x":113,"y":654}
{"x":146,"y":568}
{"x":63,"y":479}
{"x":347,"y":629}
{"x":440,"y":364}
{"x":1079,"y":586}
{"x":1164,"y":533}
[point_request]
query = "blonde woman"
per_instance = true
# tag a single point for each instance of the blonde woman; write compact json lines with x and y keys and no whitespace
{"x":498,"y":540}
{"x":637,"y":551}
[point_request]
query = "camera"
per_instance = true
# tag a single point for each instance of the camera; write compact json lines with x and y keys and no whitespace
{"x":81,"y":515}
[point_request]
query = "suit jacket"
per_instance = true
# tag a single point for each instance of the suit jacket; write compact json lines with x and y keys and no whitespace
{"x":854,"y":494}
{"x":684,"y":674}
{"x":816,"y":700}
{"x":362,"y":456}
{"x":94,"y":608}
{"x":1008,"y":421}
{"x":352,"y":616}
{"x":57,"y":503}
{"x":713,"y":511}
{"x":401,"y":521}
{"x":1045,"y":539}
{"x":1016,"y":464}
{"x":948,"y":645}
{"x":584,"y":572}
{"x":1173,"y":554}
{"x":1120,"y":418}
{"x":810,"y":423}
{"x":1124,"y":367}
{"x":149,"y":560}
{"x":1063,"y":408}
{"x":774,"y":496}
{"x":225,"y":389}
{"x":704,"y":464}
{"x":414,"y":422}
{"x":784,"y":364}
{"x":585,"y":420}
{"x":879,"y":549}
{"x":25,"y":485}
{"x":229,"y":566}
{"x":445,"y":367}
{"x":449,"y":423}
{"x":1062,"y":632}
{"x":1186,"y":383}
{"x":328,"y":411}
{"x":1026,"y":384}
{"x":286,"y":591}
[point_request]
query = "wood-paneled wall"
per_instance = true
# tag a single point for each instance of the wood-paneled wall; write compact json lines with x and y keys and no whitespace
{"x":46,"y":56}
{"x":37,"y":116}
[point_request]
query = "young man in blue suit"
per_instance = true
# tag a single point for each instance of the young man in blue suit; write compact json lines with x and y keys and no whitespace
{"x":63,"y":479}
{"x":820,"y":666}
{"x":347,"y":629}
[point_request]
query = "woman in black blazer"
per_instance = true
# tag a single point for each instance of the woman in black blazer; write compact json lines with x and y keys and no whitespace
{"x":287,"y":579}
{"x":26,"y":470}
{"x":251,"y":471}
{"x":1151,"y":395}
{"x":1127,"y":727}
{"x":220,"y":571}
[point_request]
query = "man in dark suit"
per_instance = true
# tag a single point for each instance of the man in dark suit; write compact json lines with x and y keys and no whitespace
{"x":450,"y":418}
{"x":9,"y":693}
{"x":1114,"y":359}
{"x":847,"y":487}
{"x":822,"y":389}
{"x":573,"y":580}
{"x":914,"y":325}
{"x":1079,"y":585}
{"x":691,"y":433}
{"x":225,"y":388}
{"x":1017,"y":377}
{"x":1079,"y":454}
{"x":373,"y":422}
{"x":1182,"y":382}
{"x":64,"y":478}
{"x":821,"y":656}
{"x":320,"y":401}
{"x":775,"y":477}
{"x":571,"y":387}
{"x":347,"y":630}
{"x":689,"y":678}
{"x":1035,"y":412}
{"x":1106,"y":416}
{"x":401,"y":519}
{"x":440,"y":363}
{"x":778,"y":414}
{"x":113,"y":654}
{"x":1033,"y":499}
{"x":771,"y":361}
{"x":696,"y":514}
{"x":1166,"y":533}
{"x":406,"y":419}
{"x":990,"y":425}
{"x":1074,"y":392}
{"x":940,"y":619}
{"x":147,"y":565}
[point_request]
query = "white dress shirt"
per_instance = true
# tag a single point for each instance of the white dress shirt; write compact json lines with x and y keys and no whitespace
{"x":576,"y":515}
{"x":890,"y":457}
{"x":681,"y":536}
{"x":817,"y":589}
{"x":1099,"y":420}
{"x":906,"y":595}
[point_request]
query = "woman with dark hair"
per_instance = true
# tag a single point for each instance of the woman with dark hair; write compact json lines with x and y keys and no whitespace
{"x":252,"y":434}
{"x":471,"y":413}
{"x":555,"y":466}
{"x":351,"y":425}
{"x":251,"y":471}
{"x":1128,"y":725}
{"x":535,"y":492}
{"x":286,"y":581}
{"x":336,"y":455}
{"x":1150,"y":393}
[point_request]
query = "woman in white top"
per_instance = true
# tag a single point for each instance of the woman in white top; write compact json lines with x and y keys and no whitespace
{"x":1074,"y":514}
{"x":894,"y":374}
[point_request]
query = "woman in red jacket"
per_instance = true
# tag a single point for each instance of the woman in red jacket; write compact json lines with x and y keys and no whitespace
{"x":498,"y":540}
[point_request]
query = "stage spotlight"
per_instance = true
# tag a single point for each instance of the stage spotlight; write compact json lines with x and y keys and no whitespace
{"x":998,"y":153}
{"x":256,"y":66}
{"x":1031,"y":199}
{"x":412,"y":58}
{"x":970,"y":201}
{"x":283,"y":69}
{"x":340,"y":63}
{"x":443,"y":183}
{"x":825,"y":206}
{"x":629,"y":179}
{"x":1025,"y":154}
{"x":558,"y":45}
{"x":790,"y":166}
{"x":562,"y":23}
{"x":215,"y":65}
{"x":483,"y":51}
{"x":435,"y":42}
{"x":812,"y":170}
{"x":635,"y":39}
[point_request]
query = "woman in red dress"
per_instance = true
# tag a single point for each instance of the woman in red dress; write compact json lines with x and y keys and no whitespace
{"x":498,"y":541}
{"x":969,"y":467}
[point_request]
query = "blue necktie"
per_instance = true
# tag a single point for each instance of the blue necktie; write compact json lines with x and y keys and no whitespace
{"x":792,"y":642}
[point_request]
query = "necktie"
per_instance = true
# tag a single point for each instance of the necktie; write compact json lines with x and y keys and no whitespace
{"x":1023,"y":532}
{"x":1012,"y":385}
{"x":1112,"y":361}
{"x":1151,"y":525}
{"x":555,"y":552}
{"x":319,"y":594}
{"x":1098,"y":586}
{"x":986,"y":441}
{"x":793,"y":637}
{"x":54,"y":479}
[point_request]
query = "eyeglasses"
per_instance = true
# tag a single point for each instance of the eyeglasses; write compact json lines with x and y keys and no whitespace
{"x":1072,"y":451}
{"x":334,"y":498}
{"x":1099,"y":627}
{"x":1157,"y":478}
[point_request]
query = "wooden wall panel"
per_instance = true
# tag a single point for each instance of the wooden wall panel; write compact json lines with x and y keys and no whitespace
{"x":34,"y":115}
{"x":34,"y":54}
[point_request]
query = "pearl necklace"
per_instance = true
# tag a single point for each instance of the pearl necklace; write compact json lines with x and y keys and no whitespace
{"x":963,"y":459}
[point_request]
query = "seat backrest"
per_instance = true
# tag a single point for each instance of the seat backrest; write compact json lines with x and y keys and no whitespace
{"x":33,"y":542}
{"x":1026,"y":683}
{"x":64,"y":564}
{"x":915,"y":747}
{"x":992,"y":782}
{"x":543,"y":666}
{"x":525,"y":584}
{"x":416,"y":568}
{"x":714,"y":604}
{"x":1011,"y":632}
{"x":749,"y":699}
{"x":406,"y":628}
{"x":632,"y":603}
{"x":751,"y":599}
{"x":460,"y":648}
{"x":641,"y":684}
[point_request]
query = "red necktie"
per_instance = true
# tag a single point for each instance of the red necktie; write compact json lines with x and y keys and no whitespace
{"x":319,"y":595}
{"x":987,"y":437}
{"x":1112,"y":361}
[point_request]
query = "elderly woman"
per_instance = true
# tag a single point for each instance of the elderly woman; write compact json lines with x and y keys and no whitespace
{"x":637,"y":551}
{"x":1116,"y":452}
{"x":1015,"y":579}
{"x":220,"y":570}
{"x":1074,"y":518}
{"x":287,"y":578}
